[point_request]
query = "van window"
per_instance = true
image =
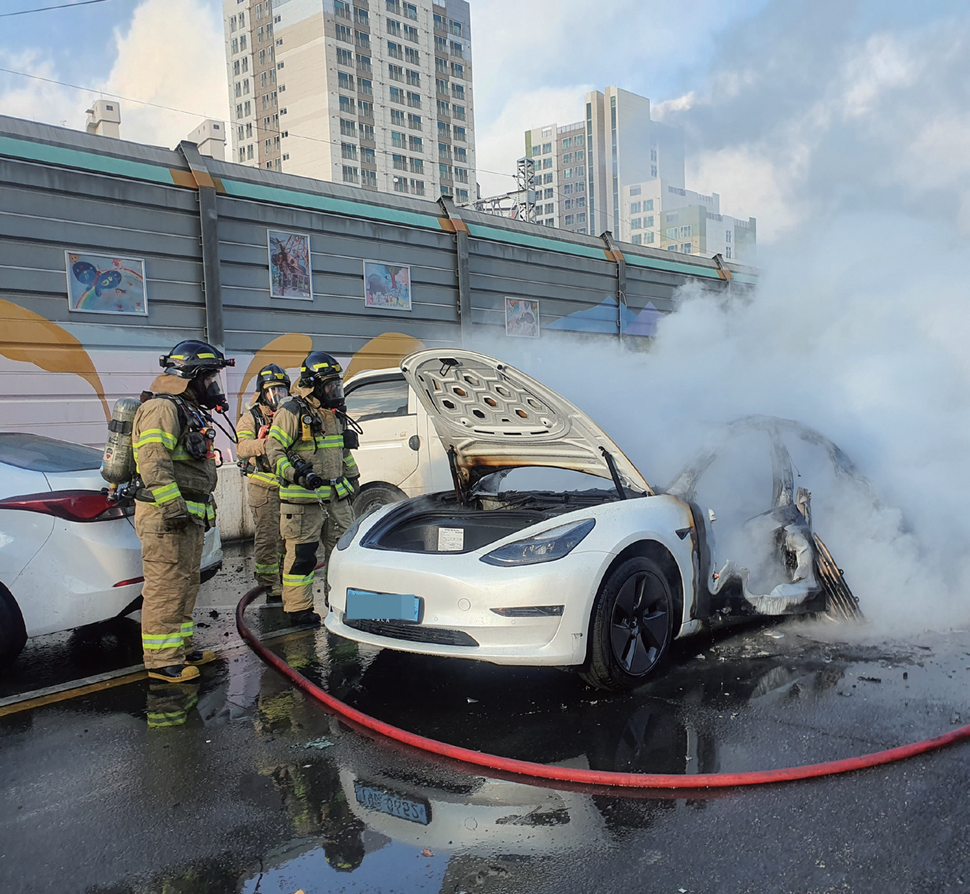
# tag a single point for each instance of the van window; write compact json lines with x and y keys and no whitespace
{"x":377,"y":400}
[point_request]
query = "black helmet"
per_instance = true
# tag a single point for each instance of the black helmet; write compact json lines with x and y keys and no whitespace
{"x":189,"y":359}
{"x":272,"y":375}
{"x":323,"y":373}
{"x":273,"y":385}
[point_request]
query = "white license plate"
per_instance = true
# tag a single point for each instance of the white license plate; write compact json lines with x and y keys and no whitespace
{"x":392,"y":804}
{"x":365,"y":605}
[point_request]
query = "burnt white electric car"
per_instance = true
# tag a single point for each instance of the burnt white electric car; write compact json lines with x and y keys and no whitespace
{"x":601,"y":579}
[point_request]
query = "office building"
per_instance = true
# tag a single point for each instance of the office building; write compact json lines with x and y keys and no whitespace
{"x":374,"y":93}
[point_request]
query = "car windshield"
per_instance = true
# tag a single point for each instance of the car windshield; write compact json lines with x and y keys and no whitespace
{"x":39,"y":454}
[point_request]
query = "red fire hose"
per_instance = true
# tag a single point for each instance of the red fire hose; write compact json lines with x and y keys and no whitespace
{"x":505,"y":765}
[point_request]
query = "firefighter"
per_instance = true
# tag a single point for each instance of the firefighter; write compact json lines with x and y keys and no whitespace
{"x":318,"y":477}
{"x":272,"y":388}
{"x":172,"y":438}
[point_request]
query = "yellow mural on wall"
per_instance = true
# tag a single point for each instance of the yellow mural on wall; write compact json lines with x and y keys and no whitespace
{"x":385,"y":351}
{"x":288,"y":351}
{"x":31,"y":338}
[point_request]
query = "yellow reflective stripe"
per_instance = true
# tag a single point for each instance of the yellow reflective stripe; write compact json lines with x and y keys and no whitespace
{"x":282,"y":465}
{"x":267,"y":569}
{"x":267,"y":477}
{"x":199,"y":510}
{"x":156,"y":436}
{"x":187,"y":628}
{"x":297,"y":580}
{"x":164,"y":721}
{"x":155,"y":642}
{"x":245,"y":434}
{"x":281,"y":436}
{"x":350,"y":464}
{"x":295,"y":492}
{"x":166,"y":493}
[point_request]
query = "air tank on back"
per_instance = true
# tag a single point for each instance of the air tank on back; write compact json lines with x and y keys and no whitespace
{"x":118,"y":461}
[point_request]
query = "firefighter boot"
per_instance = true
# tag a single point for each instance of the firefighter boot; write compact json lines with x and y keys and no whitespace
{"x":174,"y":673}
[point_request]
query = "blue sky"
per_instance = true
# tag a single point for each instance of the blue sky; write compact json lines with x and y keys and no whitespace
{"x":791,"y":108}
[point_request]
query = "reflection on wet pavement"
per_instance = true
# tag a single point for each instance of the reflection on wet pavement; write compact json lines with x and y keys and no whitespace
{"x":242,"y":784}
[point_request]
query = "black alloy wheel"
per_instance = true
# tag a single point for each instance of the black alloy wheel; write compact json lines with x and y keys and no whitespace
{"x":13,"y":633}
{"x":632,"y":626}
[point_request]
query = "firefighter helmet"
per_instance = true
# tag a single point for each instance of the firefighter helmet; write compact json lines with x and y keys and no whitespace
{"x":272,"y":385}
{"x":272,"y":375}
{"x":189,"y":359}
{"x":323,"y":373}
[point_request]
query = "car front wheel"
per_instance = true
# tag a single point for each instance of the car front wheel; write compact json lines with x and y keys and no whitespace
{"x":373,"y":496}
{"x":13,"y":633}
{"x":631,"y":628}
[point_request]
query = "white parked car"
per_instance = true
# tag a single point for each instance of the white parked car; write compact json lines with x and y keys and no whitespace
{"x":68,"y":557}
{"x":400,"y":454}
{"x":601,"y":578}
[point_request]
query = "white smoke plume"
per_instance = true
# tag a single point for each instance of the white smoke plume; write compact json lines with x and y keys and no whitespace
{"x":844,"y":129}
{"x":869,"y":353}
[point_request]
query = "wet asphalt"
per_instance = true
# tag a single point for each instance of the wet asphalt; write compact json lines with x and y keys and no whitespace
{"x":243,"y":784}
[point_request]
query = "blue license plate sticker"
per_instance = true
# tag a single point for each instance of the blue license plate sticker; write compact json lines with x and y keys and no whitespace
{"x":365,"y":605}
{"x":392,"y":803}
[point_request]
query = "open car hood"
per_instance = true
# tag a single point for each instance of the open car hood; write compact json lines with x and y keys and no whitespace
{"x":495,"y":417}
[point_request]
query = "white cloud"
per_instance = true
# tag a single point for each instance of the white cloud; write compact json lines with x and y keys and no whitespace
{"x":801,"y":131}
{"x":36,"y":99}
{"x":534,"y":62}
{"x":165,"y":61}
{"x":880,"y":65}
{"x":159,"y":59}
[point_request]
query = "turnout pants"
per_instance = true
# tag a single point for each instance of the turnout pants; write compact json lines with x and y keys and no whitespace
{"x":170,"y":561}
{"x":300,"y":527}
{"x":264,"y":502}
{"x":340,"y":516}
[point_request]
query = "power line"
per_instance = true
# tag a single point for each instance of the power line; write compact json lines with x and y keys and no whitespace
{"x":265,"y":130}
{"x":23,"y":12}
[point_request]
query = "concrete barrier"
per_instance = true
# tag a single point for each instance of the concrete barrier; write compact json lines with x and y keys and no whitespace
{"x":235,"y":519}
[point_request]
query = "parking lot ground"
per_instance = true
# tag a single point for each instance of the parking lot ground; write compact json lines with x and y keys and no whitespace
{"x":241,"y":783}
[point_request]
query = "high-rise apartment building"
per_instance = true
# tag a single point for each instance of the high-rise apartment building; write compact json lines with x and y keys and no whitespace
{"x":618,"y":170}
{"x":375,"y":93}
{"x":581,"y":168}
{"x":671,"y":218}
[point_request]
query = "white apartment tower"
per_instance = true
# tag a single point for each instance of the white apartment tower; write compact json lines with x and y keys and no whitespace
{"x":620,"y":171}
{"x":581,"y":168}
{"x":375,"y":93}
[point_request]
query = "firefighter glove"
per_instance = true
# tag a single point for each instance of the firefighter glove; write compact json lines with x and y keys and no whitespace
{"x":175,"y":513}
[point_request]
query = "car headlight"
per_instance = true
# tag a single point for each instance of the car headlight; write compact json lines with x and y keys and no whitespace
{"x":545,"y":547}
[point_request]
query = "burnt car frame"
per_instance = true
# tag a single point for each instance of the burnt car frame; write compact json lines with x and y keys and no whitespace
{"x":601,"y":580}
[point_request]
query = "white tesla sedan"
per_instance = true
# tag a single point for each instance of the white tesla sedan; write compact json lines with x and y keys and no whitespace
{"x":601,"y":579}
{"x":68,"y":557}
